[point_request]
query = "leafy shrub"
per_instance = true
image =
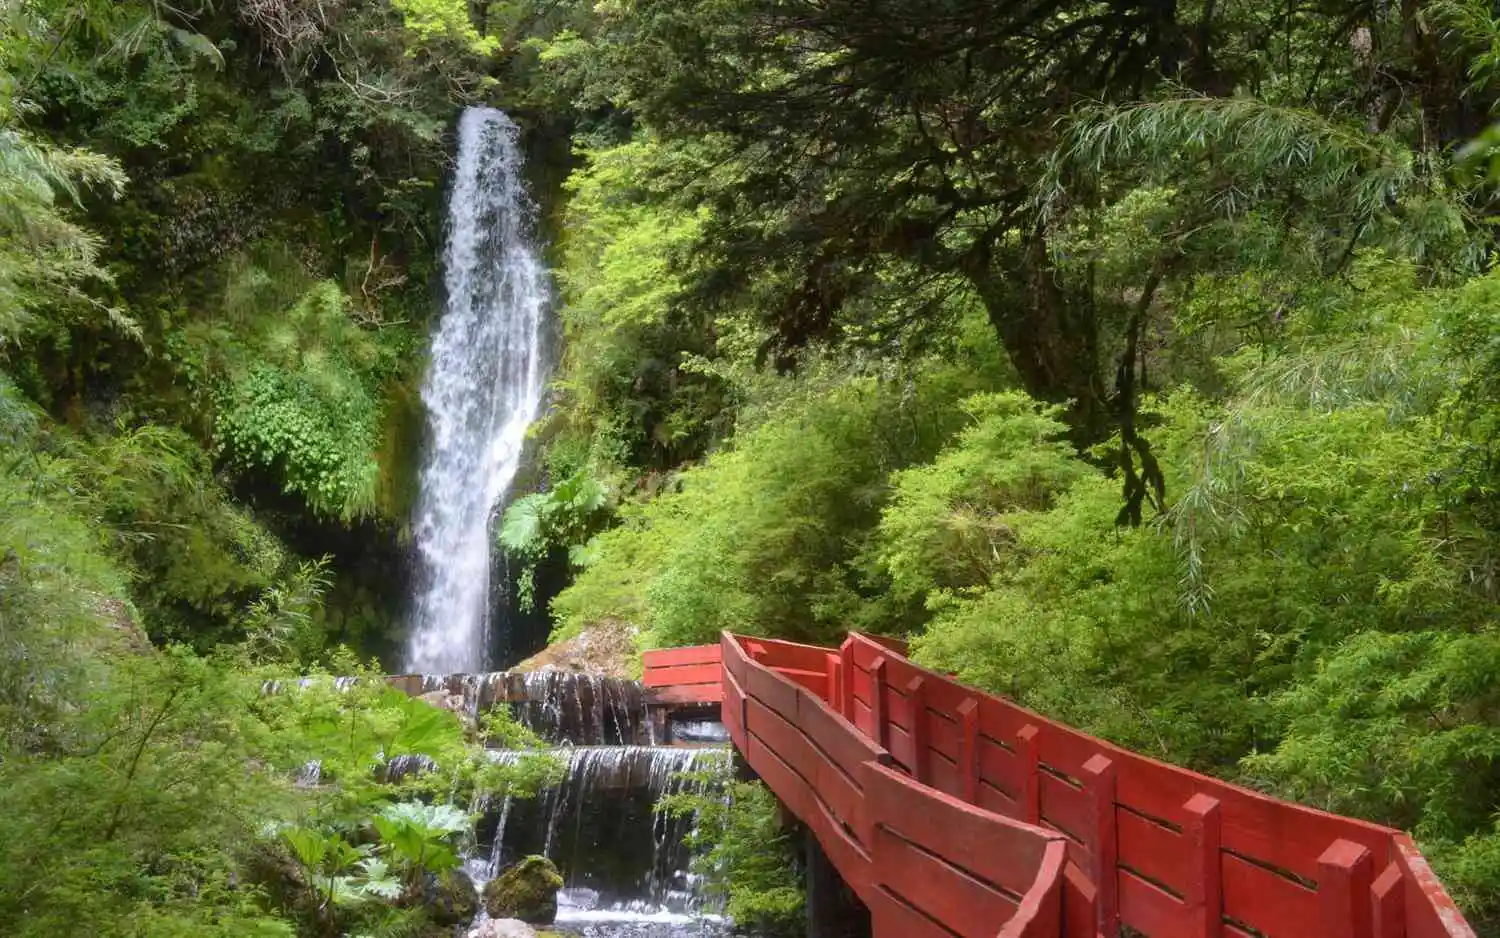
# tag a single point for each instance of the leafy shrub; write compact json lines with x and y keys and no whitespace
{"x":747,"y":858}
{"x":764,"y":537}
{"x":300,"y":404}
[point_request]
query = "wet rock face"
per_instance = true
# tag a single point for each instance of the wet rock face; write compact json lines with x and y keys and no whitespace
{"x":559,"y":706}
{"x":526,"y":891}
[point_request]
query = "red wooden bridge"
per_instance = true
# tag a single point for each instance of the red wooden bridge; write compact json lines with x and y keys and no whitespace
{"x":951,"y":812}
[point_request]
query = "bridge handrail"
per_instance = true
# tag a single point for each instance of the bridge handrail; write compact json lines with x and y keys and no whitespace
{"x":683,"y":675}
{"x":1164,"y":845}
{"x":1148,"y":845}
{"x":914,"y":855}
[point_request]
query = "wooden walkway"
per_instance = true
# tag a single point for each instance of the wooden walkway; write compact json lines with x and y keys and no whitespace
{"x":951,"y":812}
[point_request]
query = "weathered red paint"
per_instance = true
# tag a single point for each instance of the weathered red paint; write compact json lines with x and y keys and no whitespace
{"x":943,"y":806}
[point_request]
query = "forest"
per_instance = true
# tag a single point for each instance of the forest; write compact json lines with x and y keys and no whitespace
{"x":1138,"y":360}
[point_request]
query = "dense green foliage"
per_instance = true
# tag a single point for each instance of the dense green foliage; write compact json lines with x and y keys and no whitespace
{"x":216,"y":227}
{"x":746,"y":855}
{"x":1137,"y":360}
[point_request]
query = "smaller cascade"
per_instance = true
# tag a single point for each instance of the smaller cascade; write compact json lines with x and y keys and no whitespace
{"x":562,"y":707}
{"x":603,"y":826}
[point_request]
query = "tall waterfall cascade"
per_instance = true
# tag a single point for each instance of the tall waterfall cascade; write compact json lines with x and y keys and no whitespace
{"x":482,"y":390}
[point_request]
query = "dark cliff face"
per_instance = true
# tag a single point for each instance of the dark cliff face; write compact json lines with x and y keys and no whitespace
{"x":515,"y":633}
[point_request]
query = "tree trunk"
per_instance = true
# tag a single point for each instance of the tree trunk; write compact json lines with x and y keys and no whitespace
{"x":1050,"y":333}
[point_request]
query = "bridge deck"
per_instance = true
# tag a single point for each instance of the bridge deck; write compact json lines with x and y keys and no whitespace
{"x":955,"y":813}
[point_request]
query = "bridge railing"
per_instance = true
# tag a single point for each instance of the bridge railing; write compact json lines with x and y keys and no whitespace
{"x":683,"y":675}
{"x":890,"y":763}
{"x":925,"y":863}
{"x":1170,"y":851}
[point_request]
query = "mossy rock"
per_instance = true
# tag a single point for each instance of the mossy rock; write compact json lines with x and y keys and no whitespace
{"x":450,"y":899}
{"x":525,"y":891}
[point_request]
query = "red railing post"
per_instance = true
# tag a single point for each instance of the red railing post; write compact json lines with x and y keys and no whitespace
{"x":1205,"y":886}
{"x":877,"y":703}
{"x":834,"y":694}
{"x":1344,"y":889}
{"x":1388,"y":904}
{"x":1080,"y":904}
{"x":1030,"y":802}
{"x":968,"y":753}
{"x":846,"y":678}
{"x":1099,"y":785}
{"x":916,"y":699}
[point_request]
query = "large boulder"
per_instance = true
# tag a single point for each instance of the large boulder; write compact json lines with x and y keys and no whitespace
{"x":525,"y":891}
{"x":450,"y":899}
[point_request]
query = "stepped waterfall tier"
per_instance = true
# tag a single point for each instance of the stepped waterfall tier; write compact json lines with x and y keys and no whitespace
{"x":482,"y":391}
{"x":623,"y":857}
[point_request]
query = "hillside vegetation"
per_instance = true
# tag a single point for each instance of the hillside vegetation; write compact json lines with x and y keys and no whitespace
{"x":1140,"y":361}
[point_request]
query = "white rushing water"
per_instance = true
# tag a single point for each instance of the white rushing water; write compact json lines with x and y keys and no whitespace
{"x":482,"y":390}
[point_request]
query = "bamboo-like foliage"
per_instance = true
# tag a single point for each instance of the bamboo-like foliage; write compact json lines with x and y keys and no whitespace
{"x":1229,"y":157}
{"x":46,"y":259}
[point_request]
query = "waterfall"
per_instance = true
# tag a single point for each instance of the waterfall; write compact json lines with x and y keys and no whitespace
{"x":621,"y":853}
{"x":482,"y":390}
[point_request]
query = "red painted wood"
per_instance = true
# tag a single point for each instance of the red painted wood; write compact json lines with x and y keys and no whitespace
{"x":968,"y":749}
{"x":992,"y":799}
{"x":773,"y":690}
{"x":1344,"y":890}
{"x":939,"y":889}
{"x":944,"y":729}
{"x":1079,"y":901}
{"x":888,"y":643}
{"x":782,"y":738}
{"x":1170,"y":851}
{"x":916,"y":698}
{"x":1028,"y":793}
{"x":846,"y":747}
{"x":1430,"y":913}
{"x":1098,"y":776}
{"x":1041,"y":912}
{"x":861,"y":686}
{"x":1063,"y":806}
{"x":702,"y":673}
{"x":898,"y":710}
{"x":1388,"y":904}
{"x":849,"y":857}
{"x":995,"y":849}
{"x":846,"y":679}
{"x":890,"y":916}
{"x":1268,"y":902}
{"x":815,"y":681}
{"x":787,"y":784}
{"x":1153,"y":851}
{"x":943,"y":776}
{"x":732,"y":712}
{"x":1205,"y":879}
{"x":864,"y":719}
{"x":1001,"y":767}
{"x":671,"y":657}
{"x":1151,"y":910}
{"x":689,"y":694}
